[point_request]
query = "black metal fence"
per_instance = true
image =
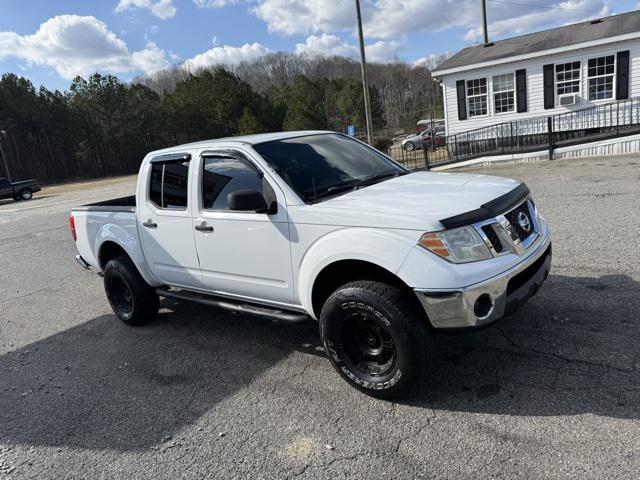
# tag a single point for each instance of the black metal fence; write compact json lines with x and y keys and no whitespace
{"x":599,"y":122}
{"x":419,"y":159}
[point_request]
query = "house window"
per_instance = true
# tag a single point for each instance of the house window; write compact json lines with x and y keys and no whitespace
{"x":503,"y":93}
{"x":477,"y":97}
{"x":567,"y":78}
{"x":600,"y":74}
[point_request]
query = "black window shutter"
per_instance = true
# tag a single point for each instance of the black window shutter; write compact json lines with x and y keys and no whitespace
{"x":622,"y":75}
{"x":549,"y":94}
{"x":521,"y":90}
{"x":462,"y":100}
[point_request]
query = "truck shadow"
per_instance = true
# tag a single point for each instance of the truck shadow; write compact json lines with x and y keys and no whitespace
{"x":102,"y":385}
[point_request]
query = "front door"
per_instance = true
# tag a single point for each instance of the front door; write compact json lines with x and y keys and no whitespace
{"x":166,"y":221}
{"x":5,"y":188}
{"x":242,"y":254}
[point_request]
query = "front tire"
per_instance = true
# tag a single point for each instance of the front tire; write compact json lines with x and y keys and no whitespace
{"x":26,"y":194}
{"x":374,"y":337}
{"x":132,"y":299}
{"x":409,"y":147}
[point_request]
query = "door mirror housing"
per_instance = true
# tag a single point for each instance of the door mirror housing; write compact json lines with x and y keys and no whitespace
{"x":247,"y":201}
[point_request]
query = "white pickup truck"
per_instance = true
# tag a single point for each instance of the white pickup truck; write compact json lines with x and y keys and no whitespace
{"x":295,"y":225}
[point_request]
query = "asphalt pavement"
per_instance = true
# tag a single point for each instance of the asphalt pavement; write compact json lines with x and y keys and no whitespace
{"x":550,"y":392}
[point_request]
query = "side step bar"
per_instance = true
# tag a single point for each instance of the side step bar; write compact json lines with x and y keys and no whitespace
{"x":285,"y":316}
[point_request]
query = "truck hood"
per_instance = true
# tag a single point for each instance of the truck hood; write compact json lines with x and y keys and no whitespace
{"x":417,"y":200}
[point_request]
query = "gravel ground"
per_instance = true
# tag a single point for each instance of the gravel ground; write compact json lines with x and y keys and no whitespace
{"x":551,"y":392}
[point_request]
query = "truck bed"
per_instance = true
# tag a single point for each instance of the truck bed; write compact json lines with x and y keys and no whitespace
{"x":122,"y":204}
{"x":117,"y":215}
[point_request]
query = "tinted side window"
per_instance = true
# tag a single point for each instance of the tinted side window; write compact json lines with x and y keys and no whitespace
{"x":4,"y":182}
{"x":168,"y":187}
{"x":223,"y":175}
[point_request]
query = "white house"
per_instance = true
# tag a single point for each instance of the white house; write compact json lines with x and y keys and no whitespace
{"x":543,"y":73}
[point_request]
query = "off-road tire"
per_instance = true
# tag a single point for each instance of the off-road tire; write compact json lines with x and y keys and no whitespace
{"x":379,"y":312}
{"x":132,"y":299}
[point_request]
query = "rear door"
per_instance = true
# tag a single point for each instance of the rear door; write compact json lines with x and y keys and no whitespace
{"x":242,"y":254}
{"x":165,"y":220}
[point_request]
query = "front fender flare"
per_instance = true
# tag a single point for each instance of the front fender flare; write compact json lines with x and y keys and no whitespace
{"x":384,"y":248}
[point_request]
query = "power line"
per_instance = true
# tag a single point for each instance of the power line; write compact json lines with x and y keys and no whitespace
{"x":549,"y":7}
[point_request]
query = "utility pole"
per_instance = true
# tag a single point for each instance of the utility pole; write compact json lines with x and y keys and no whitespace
{"x":365,"y":81}
{"x":484,"y":21}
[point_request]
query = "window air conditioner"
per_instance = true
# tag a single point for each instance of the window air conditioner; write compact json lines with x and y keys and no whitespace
{"x":569,"y":99}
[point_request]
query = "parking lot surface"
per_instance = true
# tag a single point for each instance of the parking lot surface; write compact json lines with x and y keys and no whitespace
{"x":550,"y":392}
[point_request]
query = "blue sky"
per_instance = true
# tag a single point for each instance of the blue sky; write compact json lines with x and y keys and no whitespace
{"x":52,"y":41}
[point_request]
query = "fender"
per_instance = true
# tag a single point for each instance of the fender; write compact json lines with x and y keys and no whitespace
{"x":111,"y":232}
{"x":384,"y":248}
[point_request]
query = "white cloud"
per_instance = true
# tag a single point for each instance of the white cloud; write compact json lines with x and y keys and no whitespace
{"x":215,"y":3}
{"x":306,"y":16}
{"x":329,"y":45}
{"x":162,"y":9}
{"x":151,"y":59}
{"x":75,"y":45}
{"x":227,"y":55}
{"x":326,"y":45}
{"x":382,"y":51}
{"x":394,"y":19}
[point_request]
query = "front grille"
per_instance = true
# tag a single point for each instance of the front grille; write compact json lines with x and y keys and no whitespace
{"x":493,"y":238}
{"x":514,"y":217}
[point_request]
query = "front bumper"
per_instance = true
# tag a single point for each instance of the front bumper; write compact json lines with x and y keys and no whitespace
{"x":488,"y":301}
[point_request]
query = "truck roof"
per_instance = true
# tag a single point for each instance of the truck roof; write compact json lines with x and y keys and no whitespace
{"x":243,"y":139}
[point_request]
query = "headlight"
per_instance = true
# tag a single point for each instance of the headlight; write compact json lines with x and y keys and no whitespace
{"x":459,"y":245}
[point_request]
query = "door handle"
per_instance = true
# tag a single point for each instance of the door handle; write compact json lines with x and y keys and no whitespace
{"x":149,"y":224}
{"x":203,"y":227}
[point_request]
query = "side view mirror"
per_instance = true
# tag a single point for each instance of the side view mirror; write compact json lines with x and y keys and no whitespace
{"x":247,"y":200}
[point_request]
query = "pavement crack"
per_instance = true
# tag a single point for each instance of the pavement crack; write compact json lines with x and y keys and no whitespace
{"x":562,"y":357}
{"x":291,"y":377}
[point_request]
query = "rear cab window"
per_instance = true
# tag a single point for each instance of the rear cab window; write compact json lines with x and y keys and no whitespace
{"x":169,"y":181}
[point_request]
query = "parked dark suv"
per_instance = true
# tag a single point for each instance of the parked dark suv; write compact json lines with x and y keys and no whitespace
{"x":18,"y":190}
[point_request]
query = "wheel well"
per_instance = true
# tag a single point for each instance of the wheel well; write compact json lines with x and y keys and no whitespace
{"x":109,"y":251}
{"x":340,"y":273}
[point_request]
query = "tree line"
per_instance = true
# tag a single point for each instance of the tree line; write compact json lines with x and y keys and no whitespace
{"x":102,"y":126}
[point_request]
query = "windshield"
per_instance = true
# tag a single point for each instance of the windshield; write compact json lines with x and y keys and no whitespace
{"x":319,"y":166}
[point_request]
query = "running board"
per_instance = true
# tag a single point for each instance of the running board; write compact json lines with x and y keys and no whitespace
{"x":285,"y":316}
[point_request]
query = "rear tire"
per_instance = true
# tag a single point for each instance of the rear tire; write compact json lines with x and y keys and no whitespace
{"x":26,"y":194}
{"x":133,"y":300}
{"x":17,"y":198}
{"x":409,"y":147}
{"x":374,"y":337}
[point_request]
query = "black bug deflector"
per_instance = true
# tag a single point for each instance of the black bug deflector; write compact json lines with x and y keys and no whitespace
{"x":490,"y":209}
